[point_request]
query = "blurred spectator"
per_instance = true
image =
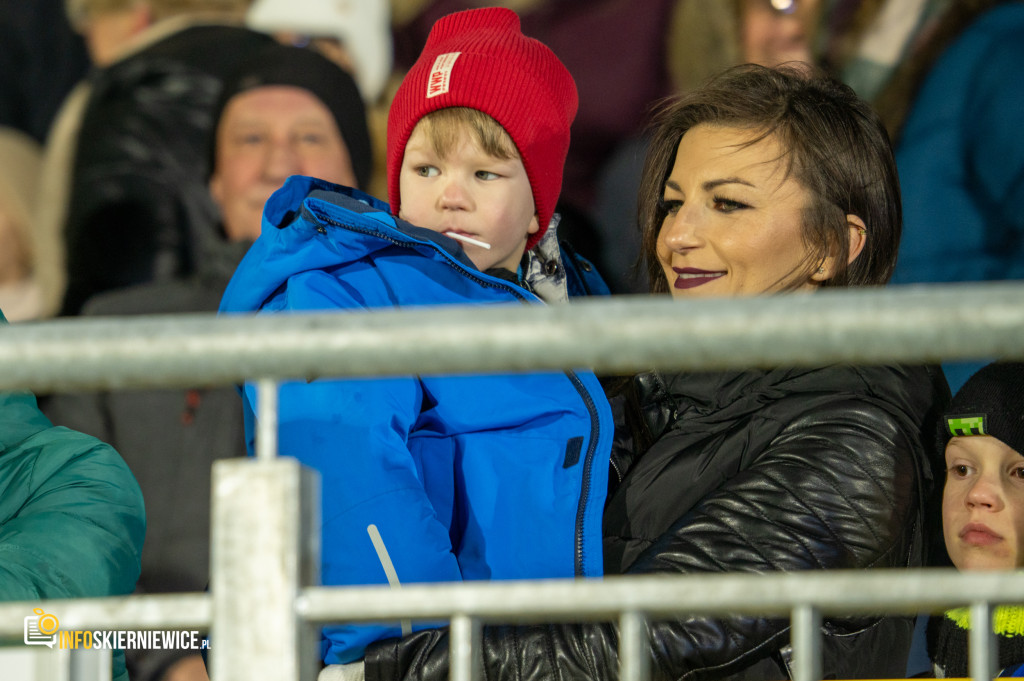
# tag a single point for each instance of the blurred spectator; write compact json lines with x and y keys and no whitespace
{"x":956,"y":121}
{"x":41,"y":59}
{"x":136,"y":192}
{"x":71,"y":514}
{"x":286,"y":111}
{"x":864,"y":41}
{"x":50,"y":208}
{"x":954,"y":112}
{"x":19,"y":172}
{"x":709,"y":36}
{"x":355,"y":35}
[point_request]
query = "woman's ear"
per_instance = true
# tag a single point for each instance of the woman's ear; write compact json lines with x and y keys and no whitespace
{"x":858,"y":237}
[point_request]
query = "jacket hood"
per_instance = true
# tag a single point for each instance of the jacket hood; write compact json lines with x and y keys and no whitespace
{"x":301,"y":233}
{"x":19,"y":416}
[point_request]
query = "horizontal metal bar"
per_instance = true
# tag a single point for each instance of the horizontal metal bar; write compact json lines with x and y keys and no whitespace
{"x":184,"y":611}
{"x":619,"y":334}
{"x":832,"y":592}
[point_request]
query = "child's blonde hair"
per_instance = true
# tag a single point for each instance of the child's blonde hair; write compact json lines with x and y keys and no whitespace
{"x":444,"y":129}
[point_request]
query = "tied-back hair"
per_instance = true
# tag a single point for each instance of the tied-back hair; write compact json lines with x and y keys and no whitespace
{"x":833,"y":145}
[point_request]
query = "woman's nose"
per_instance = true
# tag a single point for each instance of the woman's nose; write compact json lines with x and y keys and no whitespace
{"x":681,"y":230}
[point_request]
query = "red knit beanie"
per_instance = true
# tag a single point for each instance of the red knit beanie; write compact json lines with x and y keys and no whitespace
{"x":481,"y":60}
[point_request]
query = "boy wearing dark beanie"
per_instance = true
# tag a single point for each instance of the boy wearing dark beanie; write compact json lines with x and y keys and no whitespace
{"x":982,"y":434}
{"x":443,"y":478}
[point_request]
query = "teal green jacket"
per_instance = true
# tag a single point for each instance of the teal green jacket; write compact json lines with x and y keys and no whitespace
{"x":72,"y":520}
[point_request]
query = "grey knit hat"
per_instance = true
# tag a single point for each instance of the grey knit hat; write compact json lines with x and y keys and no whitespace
{"x":991,"y":402}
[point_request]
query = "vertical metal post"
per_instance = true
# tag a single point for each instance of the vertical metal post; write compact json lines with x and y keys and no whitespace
{"x":60,"y":666}
{"x":264,"y":548}
{"x":806,"y":640}
{"x":91,"y":665}
{"x":981,"y":655}
{"x":634,"y":658}
{"x":266,"y":419}
{"x":31,"y":663}
{"x":466,"y":654}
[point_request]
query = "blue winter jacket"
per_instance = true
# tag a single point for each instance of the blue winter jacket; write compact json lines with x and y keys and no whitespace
{"x":464,"y":477}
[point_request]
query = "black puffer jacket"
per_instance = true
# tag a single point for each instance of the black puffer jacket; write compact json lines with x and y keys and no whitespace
{"x":752,"y":472}
{"x":138,"y":189}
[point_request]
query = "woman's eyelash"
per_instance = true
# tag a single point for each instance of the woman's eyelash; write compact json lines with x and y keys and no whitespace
{"x":729,"y":203}
{"x":668,"y":205}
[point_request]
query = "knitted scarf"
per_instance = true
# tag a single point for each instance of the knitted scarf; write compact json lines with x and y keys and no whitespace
{"x":947,"y":639}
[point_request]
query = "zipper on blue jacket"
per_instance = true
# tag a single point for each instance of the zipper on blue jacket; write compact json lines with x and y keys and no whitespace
{"x":588,"y":461}
{"x":490,"y":283}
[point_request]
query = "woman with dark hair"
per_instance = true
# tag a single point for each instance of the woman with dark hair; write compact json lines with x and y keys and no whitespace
{"x":812,"y":135}
{"x":760,"y":182}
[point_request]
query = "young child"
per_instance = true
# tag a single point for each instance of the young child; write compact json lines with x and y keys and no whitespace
{"x":442,"y":478}
{"x":983,"y":507}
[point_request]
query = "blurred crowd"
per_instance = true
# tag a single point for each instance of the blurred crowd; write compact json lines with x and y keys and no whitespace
{"x":106,"y":105}
{"x":140,"y":139}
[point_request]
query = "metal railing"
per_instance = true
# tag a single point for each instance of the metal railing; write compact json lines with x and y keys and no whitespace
{"x":263,"y":605}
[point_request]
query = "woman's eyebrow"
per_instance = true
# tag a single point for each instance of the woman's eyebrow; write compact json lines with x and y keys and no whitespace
{"x":712,"y":184}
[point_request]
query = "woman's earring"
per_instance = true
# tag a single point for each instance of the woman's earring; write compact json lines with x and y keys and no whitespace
{"x":821,"y":270}
{"x":862,"y":231}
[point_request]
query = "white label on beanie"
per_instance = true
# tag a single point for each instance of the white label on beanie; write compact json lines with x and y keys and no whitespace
{"x":441,"y":74}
